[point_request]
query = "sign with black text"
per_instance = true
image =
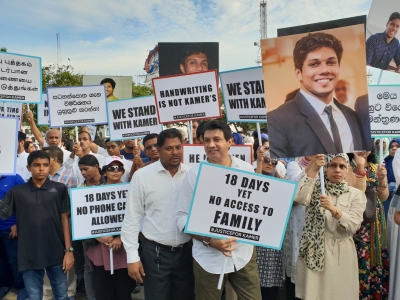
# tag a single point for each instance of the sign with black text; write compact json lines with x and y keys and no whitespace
{"x":384,"y":110}
{"x":195,"y":154}
{"x":20,"y":78}
{"x":132,"y":118}
{"x":8,"y":145}
{"x":98,"y":211}
{"x":187,"y":97}
{"x":243,"y":92}
{"x":42,"y":112}
{"x":77,"y":106}
{"x":14,"y":110}
{"x":233,"y":203}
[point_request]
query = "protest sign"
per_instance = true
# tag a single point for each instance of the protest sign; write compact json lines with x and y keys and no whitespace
{"x":117,"y":87}
{"x":14,"y":110}
{"x":98,"y":211}
{"x":8,"y":145}
{"x":187,"y":97}
{"x":20,"y":78}
{"x":92,"y":131}
{"x":384,"y":110}
{"x":243,"y":92}
{"x":195,"y":154}
{"x":42,"y":111}
{"x":233,"y":203}
{"x":77,"y":106}
{"x":132,"y":118}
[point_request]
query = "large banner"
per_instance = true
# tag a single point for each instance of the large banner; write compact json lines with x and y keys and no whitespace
{"x":42,"y":111}
{"x":98,"y":211}
{"x":310,"y":91}
{"x":384,"y":109}
{"x":8,"y":145}
{"x":14,"y":110}
{"x":132,"y":118}
{"x":117,"y":87}
{"x":195,"y":154}
{"x":20,"y":78}
{"x":77,"y":106}
{"x":243,"y":92}
{"x":233,"y":203}
{"x":187,"y":97}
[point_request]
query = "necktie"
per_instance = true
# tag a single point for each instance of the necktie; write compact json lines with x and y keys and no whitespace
{"x":334,"y":129}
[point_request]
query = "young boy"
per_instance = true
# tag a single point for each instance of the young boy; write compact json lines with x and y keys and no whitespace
{"x":41,"y":207}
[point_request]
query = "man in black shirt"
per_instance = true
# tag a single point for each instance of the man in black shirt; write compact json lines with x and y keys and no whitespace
{"x":41,"y":207}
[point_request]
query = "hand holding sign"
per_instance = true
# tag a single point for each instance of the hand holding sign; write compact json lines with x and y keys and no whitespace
{"x":225,"y":246}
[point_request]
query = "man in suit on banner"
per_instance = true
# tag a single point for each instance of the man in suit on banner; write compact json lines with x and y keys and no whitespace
{"x":314,"y":122}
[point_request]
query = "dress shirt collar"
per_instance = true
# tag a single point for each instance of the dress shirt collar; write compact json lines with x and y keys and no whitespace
{"x":234,"y":162}
{"x":160,"y":167}
{"x":317,"y":104}
{"x":59,"y":170}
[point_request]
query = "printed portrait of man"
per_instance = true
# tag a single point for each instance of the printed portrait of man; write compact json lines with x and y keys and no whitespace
{"x":383,"y":47}
{"x":110,"y":84}
{"x":314,"y":122}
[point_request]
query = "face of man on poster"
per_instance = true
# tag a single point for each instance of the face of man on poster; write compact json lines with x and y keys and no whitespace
{"x":392,"y":27}
{"x":196,"y":62}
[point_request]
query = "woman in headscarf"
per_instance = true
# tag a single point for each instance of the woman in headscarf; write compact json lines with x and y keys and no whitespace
{"x":393,"y":146}
{"x":327,"y":264}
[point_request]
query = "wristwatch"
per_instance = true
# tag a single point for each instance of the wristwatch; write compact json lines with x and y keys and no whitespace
{"x":70,"y":249}
{"x":206,"y":241}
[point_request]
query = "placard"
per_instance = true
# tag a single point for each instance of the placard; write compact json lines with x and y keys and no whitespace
{"x":14,"y":110}
{"x":132,"y":118}
{"x":195,"y":154}
{"x":98,"y":211}
{"x":233,"y":203}
{"x":77,"y":106}
{"x":122,"y":88}
{"x":8,"y":145}
{"x":92,"y":131}
{"x":243,"y":92}
{"x":187,"y":97}
{"x":384,"y":110}
{"x":42,"y":111}
{"x":20,"y":78}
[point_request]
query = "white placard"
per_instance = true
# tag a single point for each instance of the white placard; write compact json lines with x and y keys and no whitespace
{"x":14,"y":110}
{"x":77,"y":106}
{"x":98,"y":211}
{"x":20,"y":78}
{"x":92,"y":131}
{"x":384,"y":110}
{"x":132,"y":118}
{"x":42,"y":112}
{"x":8,"y":145}
{"x":187,"y":97}
{"x":233,"y":203}
{"x":195,"y":154}
{"x":243,"y":92}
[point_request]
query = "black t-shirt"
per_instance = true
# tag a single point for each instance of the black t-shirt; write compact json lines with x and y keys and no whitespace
{"x":39,"y":225}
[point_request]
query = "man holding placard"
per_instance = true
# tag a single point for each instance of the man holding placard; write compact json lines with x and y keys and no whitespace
{"x":164,"y":260}
{"x":208,"y":253}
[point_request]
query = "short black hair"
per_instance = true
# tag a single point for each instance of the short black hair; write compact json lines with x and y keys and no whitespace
{"x":312,"y":42}
{"x":117,"y":142}
{"x":37,"y":154}
{"x":199,"y":129}
{"x":26,"y":144}
{"x":21,"y":136}
{"x":393,"y":16}
{"x":190,"y":49}
{"x":110,"y":81}
{"x":218,"y":125}
{"x":149,"y":137}
{"x":170,"y":133}
{"x":84,"y":131}
{"x":55,"y":152}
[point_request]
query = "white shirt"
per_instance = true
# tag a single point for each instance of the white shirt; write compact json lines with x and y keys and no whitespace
{"x":72,"y":165}
{"x":152,"y":201}
{"x":127,"y":163}
{"x":22,"y":161}
{"x":346,"y":136}
{"x":211,"y":259}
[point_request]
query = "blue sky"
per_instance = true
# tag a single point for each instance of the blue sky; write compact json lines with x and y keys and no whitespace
{"x":113,"y":37}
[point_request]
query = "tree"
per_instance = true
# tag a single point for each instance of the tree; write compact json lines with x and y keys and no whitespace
{"x":141,"y":90}
{"x":3,"y":49}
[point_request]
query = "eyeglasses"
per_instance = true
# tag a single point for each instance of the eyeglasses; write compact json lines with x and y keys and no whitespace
{"x":149,"y":147}
{"x":115,"y":168}
{"x":271,"y":161}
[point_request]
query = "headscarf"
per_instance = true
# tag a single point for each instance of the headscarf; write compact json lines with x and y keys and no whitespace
{"x":385,"y":151}
{"x":238,"y":138}
{"x":312,"y":244}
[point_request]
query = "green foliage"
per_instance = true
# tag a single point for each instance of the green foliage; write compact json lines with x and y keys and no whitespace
{"x":141,"y":90}
{"x":3,"y":49}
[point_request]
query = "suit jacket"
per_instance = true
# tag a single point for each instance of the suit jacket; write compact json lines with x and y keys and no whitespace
{"x":295,"y":129}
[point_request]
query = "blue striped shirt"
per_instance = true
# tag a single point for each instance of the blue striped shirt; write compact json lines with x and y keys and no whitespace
{"x":380,"y":53}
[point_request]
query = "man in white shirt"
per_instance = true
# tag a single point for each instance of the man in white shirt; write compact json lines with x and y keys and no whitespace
{"x":164,"y":261}
{"x":208,"y":253}
{"x":81,"y":149}
{"x":22,"y":158}
{"x":314,"y":122}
